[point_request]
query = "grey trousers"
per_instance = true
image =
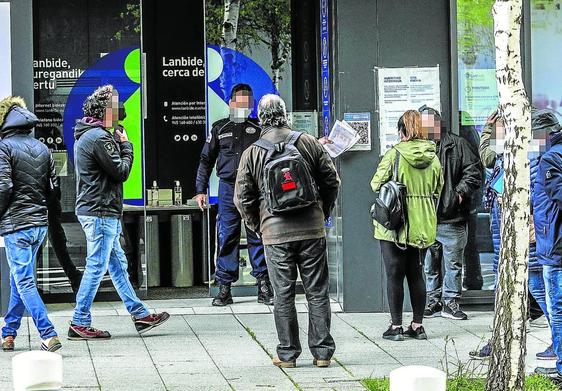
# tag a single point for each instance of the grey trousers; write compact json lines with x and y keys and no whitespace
{"x":308,"y":257}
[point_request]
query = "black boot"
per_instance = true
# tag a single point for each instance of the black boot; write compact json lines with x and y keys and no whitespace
{"x":265,"y":292}
{"x":224,"y":297}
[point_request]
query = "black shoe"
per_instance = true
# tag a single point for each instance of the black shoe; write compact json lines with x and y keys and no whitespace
{"x":549,"y":372}
{"x":418,"y":333}
{"x":224,"y":297}
{"x":433,"y":310}
{"x":265,"y":292}
{"x":483,"y":354}
{"x":452,"y":310}
{"x":394,"y":334}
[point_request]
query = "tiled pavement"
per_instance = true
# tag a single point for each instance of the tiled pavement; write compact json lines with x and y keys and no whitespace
{"x":206,"y":348}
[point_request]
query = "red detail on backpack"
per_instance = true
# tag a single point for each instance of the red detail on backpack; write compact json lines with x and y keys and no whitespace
{"x":288,"y":186}
{"x":287,"y":175}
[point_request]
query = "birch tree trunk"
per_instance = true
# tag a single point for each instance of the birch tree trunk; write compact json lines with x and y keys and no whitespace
{"x":230,"y":24}
{"x":507,"y":364}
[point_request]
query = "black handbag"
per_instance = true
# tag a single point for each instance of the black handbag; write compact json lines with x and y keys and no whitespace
{"x":389,"y":208}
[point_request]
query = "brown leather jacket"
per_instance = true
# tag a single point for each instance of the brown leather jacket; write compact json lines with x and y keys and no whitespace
{"x":304,"y":225}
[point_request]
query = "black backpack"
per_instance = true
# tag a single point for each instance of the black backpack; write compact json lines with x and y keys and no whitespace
{"x":389,"y":208}
{"x":288,"y":184}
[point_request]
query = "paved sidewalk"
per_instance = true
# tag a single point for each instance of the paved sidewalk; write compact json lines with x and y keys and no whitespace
{"x":207,"y":348}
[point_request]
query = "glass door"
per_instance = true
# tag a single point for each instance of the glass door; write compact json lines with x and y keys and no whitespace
{"x":99,"y":44}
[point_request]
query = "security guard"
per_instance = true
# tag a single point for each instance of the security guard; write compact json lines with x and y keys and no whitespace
{"x":229,"y":137}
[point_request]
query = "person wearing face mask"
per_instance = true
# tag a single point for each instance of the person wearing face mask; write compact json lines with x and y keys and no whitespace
{"x":492,"y":157}
{"x":463,"y":175}
{"x":228,"y":138}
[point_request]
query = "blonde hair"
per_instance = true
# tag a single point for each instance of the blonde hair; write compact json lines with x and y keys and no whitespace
{"x":410,"y":125}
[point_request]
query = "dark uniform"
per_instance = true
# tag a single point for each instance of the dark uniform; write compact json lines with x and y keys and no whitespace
{"x":224,"y":146}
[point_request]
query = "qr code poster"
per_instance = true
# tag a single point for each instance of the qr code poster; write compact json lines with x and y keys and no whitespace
{"x":361,"y":123}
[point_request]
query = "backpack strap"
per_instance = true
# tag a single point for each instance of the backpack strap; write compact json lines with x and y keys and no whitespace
{"x":292,"y":137}
{"x":263,"y":143}
{"x":396,"y":165}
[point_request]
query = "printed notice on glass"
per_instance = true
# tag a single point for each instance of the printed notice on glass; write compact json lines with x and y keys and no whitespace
{"x":478,"y":95}
{"x":304,"y":121}
{"x":361,"y":122}
{"x":401,"y":89}
{"x":343,"y":137}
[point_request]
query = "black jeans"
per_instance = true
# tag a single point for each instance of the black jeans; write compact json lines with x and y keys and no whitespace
{"x":472,"y":269}
{"x":58,"y":240}
{"x":400,"y":264}
{"x":308,"y":257}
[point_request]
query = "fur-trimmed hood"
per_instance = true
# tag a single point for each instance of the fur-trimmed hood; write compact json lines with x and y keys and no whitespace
{"x":14,"y":116}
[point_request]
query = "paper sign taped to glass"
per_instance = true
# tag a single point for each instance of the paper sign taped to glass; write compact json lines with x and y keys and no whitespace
{"x":361,"y":122}
{"x":343,"y":137}
{"x":304,"y":121}
{"x":401,"y":89}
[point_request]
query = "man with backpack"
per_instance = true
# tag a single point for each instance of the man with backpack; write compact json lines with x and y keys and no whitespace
{"x":285,"y":189}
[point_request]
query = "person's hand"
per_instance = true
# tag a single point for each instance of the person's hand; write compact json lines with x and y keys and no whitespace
{"x":492,"y":119}
{"x":201,"y":200}
{"x":121,"y":134}
{"x":324,"y":140}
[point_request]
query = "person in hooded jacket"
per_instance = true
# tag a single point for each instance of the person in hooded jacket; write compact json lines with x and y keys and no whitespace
{"x":403,"y":251}
{"x":547,"y":213}
{"x":492,"y":158}
{"x":462,"y":172}
{"x":102,"y":164}
{"x":27,"y":181}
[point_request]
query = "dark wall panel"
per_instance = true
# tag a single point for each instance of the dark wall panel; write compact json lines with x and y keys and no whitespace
{"x":385,"y":33}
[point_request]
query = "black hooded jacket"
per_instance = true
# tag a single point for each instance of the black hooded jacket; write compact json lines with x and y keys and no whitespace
{"x":27,"y":174}
{"x":101,"y":166}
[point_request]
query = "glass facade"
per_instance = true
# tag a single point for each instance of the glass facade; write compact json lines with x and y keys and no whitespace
{"x":99,"y":44}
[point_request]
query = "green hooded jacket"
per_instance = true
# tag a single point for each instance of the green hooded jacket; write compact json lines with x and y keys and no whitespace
{"x":419,"y":169}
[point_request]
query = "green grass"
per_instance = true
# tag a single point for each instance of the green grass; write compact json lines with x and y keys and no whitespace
{"x":532,"y":383}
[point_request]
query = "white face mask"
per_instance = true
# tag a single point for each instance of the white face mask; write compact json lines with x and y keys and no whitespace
{"x":239,"y":114}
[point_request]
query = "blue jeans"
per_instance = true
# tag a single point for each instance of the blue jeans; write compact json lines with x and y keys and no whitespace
{"x":229,"y":226}
{"x":553,"y":287}
{"x":451,"y":241}
{"x":104,"y":252}
{"x":495,"y":225}
{"x":537,"y":289}
{"x":21,"y":250}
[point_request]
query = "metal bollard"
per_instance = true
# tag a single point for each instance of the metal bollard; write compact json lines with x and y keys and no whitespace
{"x":37,"y":370}
{"x":418,"y":378}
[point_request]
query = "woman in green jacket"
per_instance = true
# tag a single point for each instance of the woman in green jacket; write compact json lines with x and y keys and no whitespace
{"x":403,"y":252}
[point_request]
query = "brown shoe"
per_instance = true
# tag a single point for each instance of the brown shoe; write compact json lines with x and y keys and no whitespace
{"x":51,"y":344}
{"x":284,"y":364}
{"x":8,"y":343}
{"x":321,"y":363}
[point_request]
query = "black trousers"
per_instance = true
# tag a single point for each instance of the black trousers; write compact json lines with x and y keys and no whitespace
{"x":58,"y":240}
{"x":307,"y":257}
{"x":472,"y":269}
{"x":400,"y":264}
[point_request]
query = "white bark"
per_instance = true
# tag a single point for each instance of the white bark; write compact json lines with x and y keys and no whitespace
{"x":230,"y":24}
{"x":507,"y":365}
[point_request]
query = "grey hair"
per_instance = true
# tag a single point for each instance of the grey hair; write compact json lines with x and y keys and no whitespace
{"x":272,"y":111}
{"x":95,"y":104}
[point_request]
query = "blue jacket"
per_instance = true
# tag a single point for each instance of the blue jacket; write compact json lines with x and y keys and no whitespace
{"x":534,"y":264}
{"x":547,"y":204}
